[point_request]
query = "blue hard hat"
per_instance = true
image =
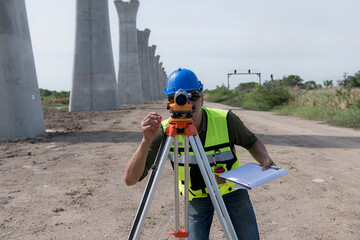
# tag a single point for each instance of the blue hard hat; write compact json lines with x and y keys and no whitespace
{"x":182,"y":79}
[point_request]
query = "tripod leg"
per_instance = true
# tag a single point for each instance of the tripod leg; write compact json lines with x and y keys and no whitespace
{"x":176,"y":185}
{"x":186,"y":187}
{"x":211,"y":185}
{"x":176,"y":182}
{"x":150,"y":187}
{"x":214,"y":183}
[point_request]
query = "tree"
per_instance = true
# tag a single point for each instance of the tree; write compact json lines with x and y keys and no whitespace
{"x":352,"y":81}
{"x":328,"y":83}
{"x":272,"y":84}
{"x":311,"y":85}
{"x":292,"y":81}
{"x":62,"y":94}
{"x":246,"y":86}
{"x":45,"y":92}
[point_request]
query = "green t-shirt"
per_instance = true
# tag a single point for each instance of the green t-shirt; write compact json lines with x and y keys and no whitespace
{"x":239,"y":134}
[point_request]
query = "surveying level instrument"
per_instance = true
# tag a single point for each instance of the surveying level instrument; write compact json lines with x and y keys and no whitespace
{"x":181,"y":124}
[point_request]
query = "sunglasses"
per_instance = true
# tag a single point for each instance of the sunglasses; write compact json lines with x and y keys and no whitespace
{"x":194,"y":97}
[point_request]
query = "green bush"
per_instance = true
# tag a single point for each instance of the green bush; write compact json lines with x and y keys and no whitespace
{"x":307,"y":112}
{"x":62,"y":94}
{"x":259,"y":98}
{"x":45,"y":94}
{"x":340,"y":107}
{"x":347,"y":118}
{"x":220,"y":94}
{"x":351,"y":81}
{"x":246,"y":86}
{"x":54,"y":100}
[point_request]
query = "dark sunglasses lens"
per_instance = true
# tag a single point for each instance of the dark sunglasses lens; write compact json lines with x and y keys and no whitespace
{"x":195,"y":96}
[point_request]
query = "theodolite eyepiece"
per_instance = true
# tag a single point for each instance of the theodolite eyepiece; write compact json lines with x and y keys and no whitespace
{"x":180,"y":105}
{"x":181,"y":97}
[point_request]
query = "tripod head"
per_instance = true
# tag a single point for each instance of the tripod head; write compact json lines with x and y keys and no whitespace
{"x":179,"y":105}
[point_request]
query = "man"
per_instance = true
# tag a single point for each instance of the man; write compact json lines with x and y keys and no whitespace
{"x":219,"y":130}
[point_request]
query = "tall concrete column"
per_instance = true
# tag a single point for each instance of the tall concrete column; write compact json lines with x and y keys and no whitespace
{"x":129,"y":82}
{"x":157,"y":77}
{"x":164,"y":77}
{"x":161,"y":73}
{"x":21,"y":114}
{"x":146,"y":85}
{"x":94,"y":79}
{"x":161,"y":80}
{"x":155,"y":90}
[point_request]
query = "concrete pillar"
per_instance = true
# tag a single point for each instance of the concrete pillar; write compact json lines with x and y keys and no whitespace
{"x":155,"y":90}
{"x":164,"y":77}
{"x":161,"y":80}
{"x":157,"y":77}
{"x":146,"y":85}
{"x":94,"y":79}
{"x":21,"y":114}
{"x":129,"y":82}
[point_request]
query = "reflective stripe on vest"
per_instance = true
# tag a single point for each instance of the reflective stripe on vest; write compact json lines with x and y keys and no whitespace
{"x":220,"y":157}
{"x":216,"y":147}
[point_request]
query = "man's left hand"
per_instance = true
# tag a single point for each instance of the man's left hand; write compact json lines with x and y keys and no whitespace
{"x":268,"y":163}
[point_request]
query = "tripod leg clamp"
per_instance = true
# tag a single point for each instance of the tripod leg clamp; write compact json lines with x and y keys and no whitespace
{"x":180,"y":234}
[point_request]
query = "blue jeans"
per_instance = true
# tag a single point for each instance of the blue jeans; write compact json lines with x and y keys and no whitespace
{"x":239,"y":207}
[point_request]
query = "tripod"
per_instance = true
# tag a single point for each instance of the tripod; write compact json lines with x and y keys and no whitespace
{"x":182,"y":126}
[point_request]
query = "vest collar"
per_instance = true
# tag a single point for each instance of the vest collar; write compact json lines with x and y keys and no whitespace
{"x":203,"y":125}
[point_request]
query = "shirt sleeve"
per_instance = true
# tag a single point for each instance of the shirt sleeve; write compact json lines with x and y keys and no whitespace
{"x":153,"y":150}
{"x":239,"y":134}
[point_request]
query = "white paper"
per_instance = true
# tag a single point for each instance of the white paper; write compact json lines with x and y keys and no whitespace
{"x":251,"y":175}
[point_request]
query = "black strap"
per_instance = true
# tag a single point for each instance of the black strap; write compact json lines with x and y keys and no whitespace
{"x":215,"y":147}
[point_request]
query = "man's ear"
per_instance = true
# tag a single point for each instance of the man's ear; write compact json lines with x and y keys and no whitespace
{"x":202,"y":99}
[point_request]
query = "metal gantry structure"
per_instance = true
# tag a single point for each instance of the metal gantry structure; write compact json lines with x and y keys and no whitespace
{"x":241,"y":72}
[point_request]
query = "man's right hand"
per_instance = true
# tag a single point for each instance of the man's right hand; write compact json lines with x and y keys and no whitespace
{"x":150,"y":126}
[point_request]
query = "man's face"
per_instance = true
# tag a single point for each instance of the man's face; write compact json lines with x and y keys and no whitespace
{"x":197,"y":101}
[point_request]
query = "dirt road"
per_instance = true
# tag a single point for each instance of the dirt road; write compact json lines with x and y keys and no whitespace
{"x":68,"y":183}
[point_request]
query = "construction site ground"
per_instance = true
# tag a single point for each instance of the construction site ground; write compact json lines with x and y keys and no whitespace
{"x":67,"y":184}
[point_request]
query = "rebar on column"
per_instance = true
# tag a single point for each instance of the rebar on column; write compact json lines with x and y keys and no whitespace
{"x":146,"y":85}
{"x":94,"y":79}
{"x":129,"y":82}
{"x":21,"y":114}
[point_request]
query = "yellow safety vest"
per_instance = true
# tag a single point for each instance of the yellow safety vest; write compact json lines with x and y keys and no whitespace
{"x":217,"y":146}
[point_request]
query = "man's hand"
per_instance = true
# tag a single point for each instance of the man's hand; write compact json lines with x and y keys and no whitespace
{"x":267,"y":163}
{"x":150,"y":126}
{"x":260,"y":154}
{"x":135,"y":167}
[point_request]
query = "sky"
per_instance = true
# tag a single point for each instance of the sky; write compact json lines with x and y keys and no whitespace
{"x":317,"y":40}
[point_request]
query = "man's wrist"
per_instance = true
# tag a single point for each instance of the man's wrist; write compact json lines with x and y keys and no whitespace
{"x":145,"y":142}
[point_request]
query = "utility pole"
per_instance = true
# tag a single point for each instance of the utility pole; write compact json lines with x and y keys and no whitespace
{"x":345,"y":73}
